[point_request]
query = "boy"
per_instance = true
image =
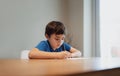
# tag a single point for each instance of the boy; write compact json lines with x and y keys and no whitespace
{"x":54,"y":46}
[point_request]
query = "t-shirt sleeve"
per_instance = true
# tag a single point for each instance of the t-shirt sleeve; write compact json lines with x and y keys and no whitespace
{"x":67,"y":46}
{"x":41,"y":46}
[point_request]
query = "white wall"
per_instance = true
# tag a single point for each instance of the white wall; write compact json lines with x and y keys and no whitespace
{"x":22,"y":23}
{"x":81,"y":26}
{"x":76,"y":23}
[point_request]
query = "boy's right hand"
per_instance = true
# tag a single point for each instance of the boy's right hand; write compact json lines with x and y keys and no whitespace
{"x":64,"y":54}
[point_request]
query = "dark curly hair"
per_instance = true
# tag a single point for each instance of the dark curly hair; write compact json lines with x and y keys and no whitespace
{"x":55,"y":27}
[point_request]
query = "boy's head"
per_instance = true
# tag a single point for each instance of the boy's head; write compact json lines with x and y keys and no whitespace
{"x":55,"y":33}
{"x":55,"y":27}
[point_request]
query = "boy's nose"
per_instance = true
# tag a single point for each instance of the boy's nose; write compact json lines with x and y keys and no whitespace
{"x":59,"y":41}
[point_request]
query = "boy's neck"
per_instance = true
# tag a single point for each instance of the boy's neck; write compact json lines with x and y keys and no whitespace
{"x":51,"y":46}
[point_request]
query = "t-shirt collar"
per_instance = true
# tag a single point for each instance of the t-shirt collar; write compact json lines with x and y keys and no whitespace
{"x":50,"y":46}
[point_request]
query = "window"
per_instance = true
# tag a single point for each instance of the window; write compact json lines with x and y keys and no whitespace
{"x":109,"y":28}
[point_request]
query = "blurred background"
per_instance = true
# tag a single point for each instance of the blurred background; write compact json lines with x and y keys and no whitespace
{"x":22,"y":24}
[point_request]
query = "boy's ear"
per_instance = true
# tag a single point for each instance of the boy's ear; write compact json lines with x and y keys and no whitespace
{"x":46,"y":36}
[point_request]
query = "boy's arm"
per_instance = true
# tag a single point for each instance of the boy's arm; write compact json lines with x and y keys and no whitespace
{"x":75,"y":52}
{"x":37,"y":54}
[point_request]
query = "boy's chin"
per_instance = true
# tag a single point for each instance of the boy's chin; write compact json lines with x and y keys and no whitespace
{"x":58,"y":47}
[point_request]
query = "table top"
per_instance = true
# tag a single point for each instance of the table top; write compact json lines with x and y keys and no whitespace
{"x":45,"y":67}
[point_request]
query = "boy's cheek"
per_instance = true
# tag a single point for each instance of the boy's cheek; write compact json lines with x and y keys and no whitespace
{"x":62,"y":42}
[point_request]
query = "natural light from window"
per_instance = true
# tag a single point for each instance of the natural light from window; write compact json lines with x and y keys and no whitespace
{"x":110,"y":28}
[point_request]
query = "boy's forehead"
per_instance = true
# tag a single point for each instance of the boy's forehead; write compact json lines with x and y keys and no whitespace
{"x":59,"y":36}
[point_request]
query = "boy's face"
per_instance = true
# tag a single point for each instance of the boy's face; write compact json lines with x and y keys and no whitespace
{"x":56,"y":40}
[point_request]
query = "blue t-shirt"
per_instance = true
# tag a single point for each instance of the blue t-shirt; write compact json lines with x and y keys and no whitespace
{"x":45,"y":46}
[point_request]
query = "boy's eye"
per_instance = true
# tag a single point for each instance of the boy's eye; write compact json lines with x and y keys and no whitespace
{"x":57,"y":39}
{"x":62,"y":38}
